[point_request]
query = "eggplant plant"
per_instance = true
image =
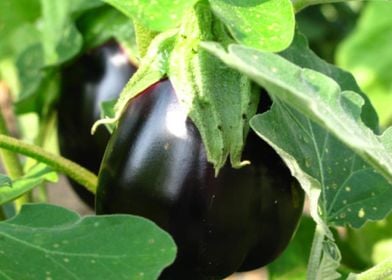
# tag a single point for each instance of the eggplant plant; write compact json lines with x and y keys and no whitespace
{"x":212,"y":137}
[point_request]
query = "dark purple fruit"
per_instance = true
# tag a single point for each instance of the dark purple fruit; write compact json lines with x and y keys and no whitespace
{"x":155,"y":166}
{"x":95,"y":77}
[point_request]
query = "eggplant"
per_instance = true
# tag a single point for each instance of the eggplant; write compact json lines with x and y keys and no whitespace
{"x":98,"y":75}
{"x":155,"y":166}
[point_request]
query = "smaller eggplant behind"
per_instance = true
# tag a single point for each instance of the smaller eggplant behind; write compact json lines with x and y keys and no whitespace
{"x":97,"y":76}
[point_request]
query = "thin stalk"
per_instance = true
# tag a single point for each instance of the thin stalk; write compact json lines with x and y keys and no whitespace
{"x":58,"y":163}
{"x":315,"y":253}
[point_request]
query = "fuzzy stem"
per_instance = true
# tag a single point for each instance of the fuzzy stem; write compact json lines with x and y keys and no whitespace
{"x":58,"y":163}
{"x":315,"y":253}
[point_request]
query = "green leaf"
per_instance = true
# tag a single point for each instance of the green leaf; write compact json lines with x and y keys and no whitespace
{"x":65,"y":246}
{"x":367,"y":54}
{"x":5,"y":181}
{"x":261,"y":24}
{"x":38,"y":84}
{"x":29,"y":65}
{"x":99,"y":25}
{"x":61,"y":40}
{"x":300,"y":54}
{"x":57,"y":42}
{"x":316,"y":96}
{"x":33,"y":177}
{"x":351,"y":191}
{"x":13,"y":15}
{"x":156,"y":15}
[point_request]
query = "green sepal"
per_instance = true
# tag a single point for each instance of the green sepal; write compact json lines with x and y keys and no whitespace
{"x":219,"y":100}
{"x":152,"y":68}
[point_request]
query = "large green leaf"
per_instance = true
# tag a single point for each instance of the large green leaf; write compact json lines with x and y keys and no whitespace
{"x":351,"y":191}
{"x":156,"y":15}
{"x":317,"y":129}
{"x":262,"y":24}
{"x":316,"y":96}
{"x":45,"y":241}
{"x":367,"y":54}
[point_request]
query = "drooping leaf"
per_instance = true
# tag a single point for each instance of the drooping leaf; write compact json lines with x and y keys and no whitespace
{"x":317,"y":130}
{"x":34,"y":177}
{"x":156,"y":15}
{"x":261,"y":24}
{"x":300,"y":54}
{"x":317,"y":97}
{"x":46,"y":241}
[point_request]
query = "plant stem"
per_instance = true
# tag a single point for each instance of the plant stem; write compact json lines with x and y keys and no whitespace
{"x":381,"y":271}
{"x":315,"y":253}
{"x":144,"y":37}
{"x":58,"y":163}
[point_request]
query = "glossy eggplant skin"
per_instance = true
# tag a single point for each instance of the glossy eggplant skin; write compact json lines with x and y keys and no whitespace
{"x":99,"y":75}
{"x":155,"y":166}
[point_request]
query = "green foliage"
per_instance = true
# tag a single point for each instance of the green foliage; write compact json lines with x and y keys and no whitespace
{"x":316,"y":96}
{"x":263,"y":25}
{"x":367,"y":54}
{"x":15,"y":18}
{"x":45,"y":241}
{"x":101,"y":24}
{"x":156,"y":15}
{"x":10,"y":190}
{"x":5,"y":181}
{"x":292,"y":263}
